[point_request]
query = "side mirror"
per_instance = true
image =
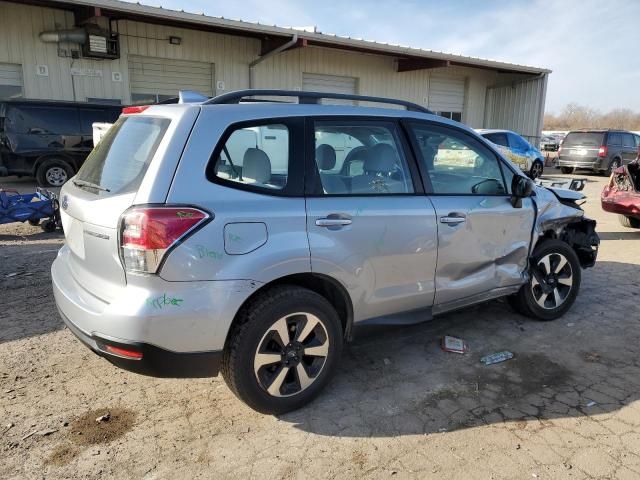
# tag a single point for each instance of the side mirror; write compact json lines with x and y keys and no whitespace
{"x":521,"y":187}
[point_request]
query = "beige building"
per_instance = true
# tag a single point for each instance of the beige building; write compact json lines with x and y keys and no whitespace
{"x":113,"y":51}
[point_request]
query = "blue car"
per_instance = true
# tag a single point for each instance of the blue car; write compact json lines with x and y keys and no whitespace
{"x":518,"y":150}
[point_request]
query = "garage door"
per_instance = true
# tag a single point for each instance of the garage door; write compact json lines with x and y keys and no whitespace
{"x":315,"y":82}
{"x":446,"y":94}
{"x":157,"y":79}
{"x":10,"y":80}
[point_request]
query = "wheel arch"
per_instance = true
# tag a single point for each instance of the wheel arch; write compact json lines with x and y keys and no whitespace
{"x":54,"y":156}
{"x":324,"y":285}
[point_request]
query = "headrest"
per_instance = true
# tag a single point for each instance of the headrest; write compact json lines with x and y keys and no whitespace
{"x":325,"y":157}
{"x":381,"y":158}
{"x":256,"y":166}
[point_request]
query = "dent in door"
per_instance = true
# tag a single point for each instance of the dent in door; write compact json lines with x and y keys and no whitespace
{"x":489,"y":250}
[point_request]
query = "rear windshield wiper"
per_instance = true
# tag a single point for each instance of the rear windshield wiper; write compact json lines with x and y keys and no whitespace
{"x":82,"y":183}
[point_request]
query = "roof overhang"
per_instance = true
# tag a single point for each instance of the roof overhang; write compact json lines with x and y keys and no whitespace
{"x":408,"y":58}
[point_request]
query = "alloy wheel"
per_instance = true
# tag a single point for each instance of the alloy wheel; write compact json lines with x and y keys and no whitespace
{"x":56,"y":176}
{"x":536,"y":170}
{"x":291,"y":354}
{"x":552,"y":281}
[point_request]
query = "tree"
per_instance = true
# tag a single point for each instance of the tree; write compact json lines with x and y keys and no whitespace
{"x":574,"y":116}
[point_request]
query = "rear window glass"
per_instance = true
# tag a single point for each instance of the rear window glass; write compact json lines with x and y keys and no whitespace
{"x":583,"y":139}
{"x":120,"y":160}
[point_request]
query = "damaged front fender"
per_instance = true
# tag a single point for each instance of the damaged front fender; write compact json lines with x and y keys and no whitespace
{"x":559,"y":216}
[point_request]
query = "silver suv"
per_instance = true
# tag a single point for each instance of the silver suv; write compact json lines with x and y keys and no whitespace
{"x":252,"y":237}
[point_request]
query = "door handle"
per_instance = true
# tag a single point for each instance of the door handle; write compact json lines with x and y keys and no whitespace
{"x":453,"y":219}
{"x":333,"y":222}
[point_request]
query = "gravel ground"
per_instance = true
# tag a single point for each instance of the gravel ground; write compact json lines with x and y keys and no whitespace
{"x":565,"y":407}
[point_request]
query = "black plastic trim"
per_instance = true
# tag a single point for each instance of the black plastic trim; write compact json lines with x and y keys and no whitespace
{"x":310,"y":98}
{"x":155,"y":361}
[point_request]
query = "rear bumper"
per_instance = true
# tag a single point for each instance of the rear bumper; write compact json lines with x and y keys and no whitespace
{"x":591,"y":164}
{"x":155,"y":361}
{"x":179,"y":339}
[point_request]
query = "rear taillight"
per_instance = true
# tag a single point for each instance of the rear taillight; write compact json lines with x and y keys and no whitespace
{"x":147,"y":234}
{"x":135,"y":109}
{"x":602,"y":151}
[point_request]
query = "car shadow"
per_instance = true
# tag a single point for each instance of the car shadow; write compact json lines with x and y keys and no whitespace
{"x":399,"y":381}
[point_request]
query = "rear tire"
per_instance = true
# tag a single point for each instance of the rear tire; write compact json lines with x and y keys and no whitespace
{"x":48,"y":226}
{"x":567,"y":170}
{"x":273,"y":374}
{"x":629,"y":222}
{"x":537,"y":168}
{"x":53,"y":172}
{"x":552,"y":292}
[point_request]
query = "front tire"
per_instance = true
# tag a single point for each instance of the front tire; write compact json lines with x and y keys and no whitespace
{"x":629,"y":222}
{"x":554,"y":282}
{"x":283,"y":349}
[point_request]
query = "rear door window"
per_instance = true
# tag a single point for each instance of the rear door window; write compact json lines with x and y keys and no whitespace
{"x":615,"y":139}
{"x":118,"y":163}
{"x":517,"y":142}
{"x":360,"y":158}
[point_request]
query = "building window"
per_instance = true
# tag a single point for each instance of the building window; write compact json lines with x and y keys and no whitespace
{"x":457,"y":116}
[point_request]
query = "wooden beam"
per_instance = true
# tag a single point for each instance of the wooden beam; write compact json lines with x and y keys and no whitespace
{"x":411,"y":64}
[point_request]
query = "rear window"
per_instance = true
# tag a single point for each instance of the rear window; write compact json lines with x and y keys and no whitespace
{"x":583,"y":139}
{"x":120,"y":160}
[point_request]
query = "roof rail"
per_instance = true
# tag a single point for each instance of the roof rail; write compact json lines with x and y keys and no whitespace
{"x":310,"y":98}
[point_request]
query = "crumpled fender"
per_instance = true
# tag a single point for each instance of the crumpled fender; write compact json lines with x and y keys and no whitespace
{"x":559,"y":216}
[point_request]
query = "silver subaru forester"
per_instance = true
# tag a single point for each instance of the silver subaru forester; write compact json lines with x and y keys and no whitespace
{"x":251,"y":237}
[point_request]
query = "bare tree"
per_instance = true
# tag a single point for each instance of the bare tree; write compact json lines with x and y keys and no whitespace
{"x":575,"y":116}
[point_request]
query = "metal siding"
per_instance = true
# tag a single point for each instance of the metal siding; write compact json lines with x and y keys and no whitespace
{"x":19,"y":44}
{"x":11,"y":74}
{"x":517,"y":106}
{"x":166,"y":76}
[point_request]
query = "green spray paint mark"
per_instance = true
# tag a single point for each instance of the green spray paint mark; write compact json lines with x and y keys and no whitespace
{"x":204,"y":252}
{"x":162,"y":301}
{"x":182,"y":214}
{"x":234,"y":238}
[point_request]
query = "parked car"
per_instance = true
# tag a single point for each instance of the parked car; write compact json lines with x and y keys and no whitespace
{"x":48,"y":140}
{"x":622,"y":194}
{"x":207,"y":237}
{"x":601,"y":151}
{"x":518,"y":150}
{"x":549,"y":143}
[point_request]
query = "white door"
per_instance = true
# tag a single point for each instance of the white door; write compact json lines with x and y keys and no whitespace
{"x":156,"y":79}
{"x":446,"y":94}
{"x":316,"y":82}
{"x":10,"y":81}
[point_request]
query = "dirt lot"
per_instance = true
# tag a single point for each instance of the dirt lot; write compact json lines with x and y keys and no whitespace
{"x":566,"y":407}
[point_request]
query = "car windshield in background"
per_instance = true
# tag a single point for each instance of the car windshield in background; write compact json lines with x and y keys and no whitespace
{"x":583,"y":139}
{"x":120,"y":160}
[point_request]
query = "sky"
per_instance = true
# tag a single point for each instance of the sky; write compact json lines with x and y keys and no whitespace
{"x":592,"y":46}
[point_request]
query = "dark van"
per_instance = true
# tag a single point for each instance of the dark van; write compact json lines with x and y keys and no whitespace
{"x":598,"y":150}
{"x":46,"y":139}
